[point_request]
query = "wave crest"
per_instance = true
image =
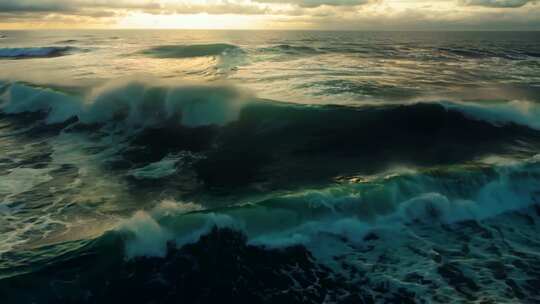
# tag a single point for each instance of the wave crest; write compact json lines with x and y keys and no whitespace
{"x":132,"y":102}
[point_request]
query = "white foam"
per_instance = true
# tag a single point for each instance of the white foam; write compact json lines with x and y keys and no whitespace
{"x":149,"y":232}
{"x":521,"y":112}
{"x":147,"y":237}
{"x":170,"y":207}
{"x":160,"y":169}
{"x":21,"y":98}
{"x":20,"y":180}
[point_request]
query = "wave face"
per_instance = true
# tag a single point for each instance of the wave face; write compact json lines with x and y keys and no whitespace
{"x":35,"y":52}
{"x":275,"y":167}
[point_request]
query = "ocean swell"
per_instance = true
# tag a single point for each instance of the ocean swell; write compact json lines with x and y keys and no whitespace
{"x":190,"y":51}
{"x":35,"y":52}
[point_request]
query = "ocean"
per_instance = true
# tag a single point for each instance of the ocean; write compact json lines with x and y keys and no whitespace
{"x":176,"y":166}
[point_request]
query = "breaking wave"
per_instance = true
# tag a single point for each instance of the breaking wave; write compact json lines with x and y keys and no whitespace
{"x":517,"y":112}
{"x":246,"y":141}
{"x":322,"y":233}
{"x":133,"y":103}
{"x":352,"y":210}
{"x":127,"y":101}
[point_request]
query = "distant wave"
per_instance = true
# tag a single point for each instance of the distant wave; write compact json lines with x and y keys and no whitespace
{"x":292,"y":49}
{"x":512,"y":54}
{"x":68,"y":41}
{"x":189,"y":51}
{"x":397,"y":51}
{"x":35,"y":52}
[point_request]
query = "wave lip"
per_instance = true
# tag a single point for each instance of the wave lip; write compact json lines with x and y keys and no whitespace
{"x":35,"y":52}
{"x":517,"y":112}
{"x":190,"y":51}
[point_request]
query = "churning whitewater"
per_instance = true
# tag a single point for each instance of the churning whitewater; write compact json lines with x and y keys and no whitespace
{"x":265,"y":167}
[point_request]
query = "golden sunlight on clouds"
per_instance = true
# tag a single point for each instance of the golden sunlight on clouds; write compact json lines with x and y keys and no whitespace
{"x":192,"y":21}
{"x":272,"y":14}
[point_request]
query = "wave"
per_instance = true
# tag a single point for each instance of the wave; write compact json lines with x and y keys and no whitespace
{"x":518,"y":112}
{"x":314,"y":237}
{"x":246,"y":142}
{"x":351,"y":210}
{"x":479,"y":53}
{"x":35,"y":52}
{"x":190,"y":51}
{"x":68,"y":41}
{"x":125,"y":99}
{"x":292,"y":49}
{"x":409,"y":52}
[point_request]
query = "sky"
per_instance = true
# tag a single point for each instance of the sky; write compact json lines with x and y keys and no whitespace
{"x":273,"y":14}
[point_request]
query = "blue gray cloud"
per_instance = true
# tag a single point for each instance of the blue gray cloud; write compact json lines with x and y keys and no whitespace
{"x":497,"y":3}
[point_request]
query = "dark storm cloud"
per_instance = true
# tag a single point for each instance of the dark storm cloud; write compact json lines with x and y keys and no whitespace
{"x":20,"y":6}
{"x":497,"y":3}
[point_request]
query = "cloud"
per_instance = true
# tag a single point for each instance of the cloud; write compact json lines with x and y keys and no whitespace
{"x":317,"y":3}
{"x":497,"y":3}
{"x":213,"y":9}
{"x":27,"y":8}
{"x":12,"y":6}
{"x":22,"y":6}
{"x":315,"y":14}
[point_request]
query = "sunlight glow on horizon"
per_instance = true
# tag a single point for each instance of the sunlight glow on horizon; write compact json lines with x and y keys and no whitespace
{"x":270,"y":14}
{"x":192,"y":21}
